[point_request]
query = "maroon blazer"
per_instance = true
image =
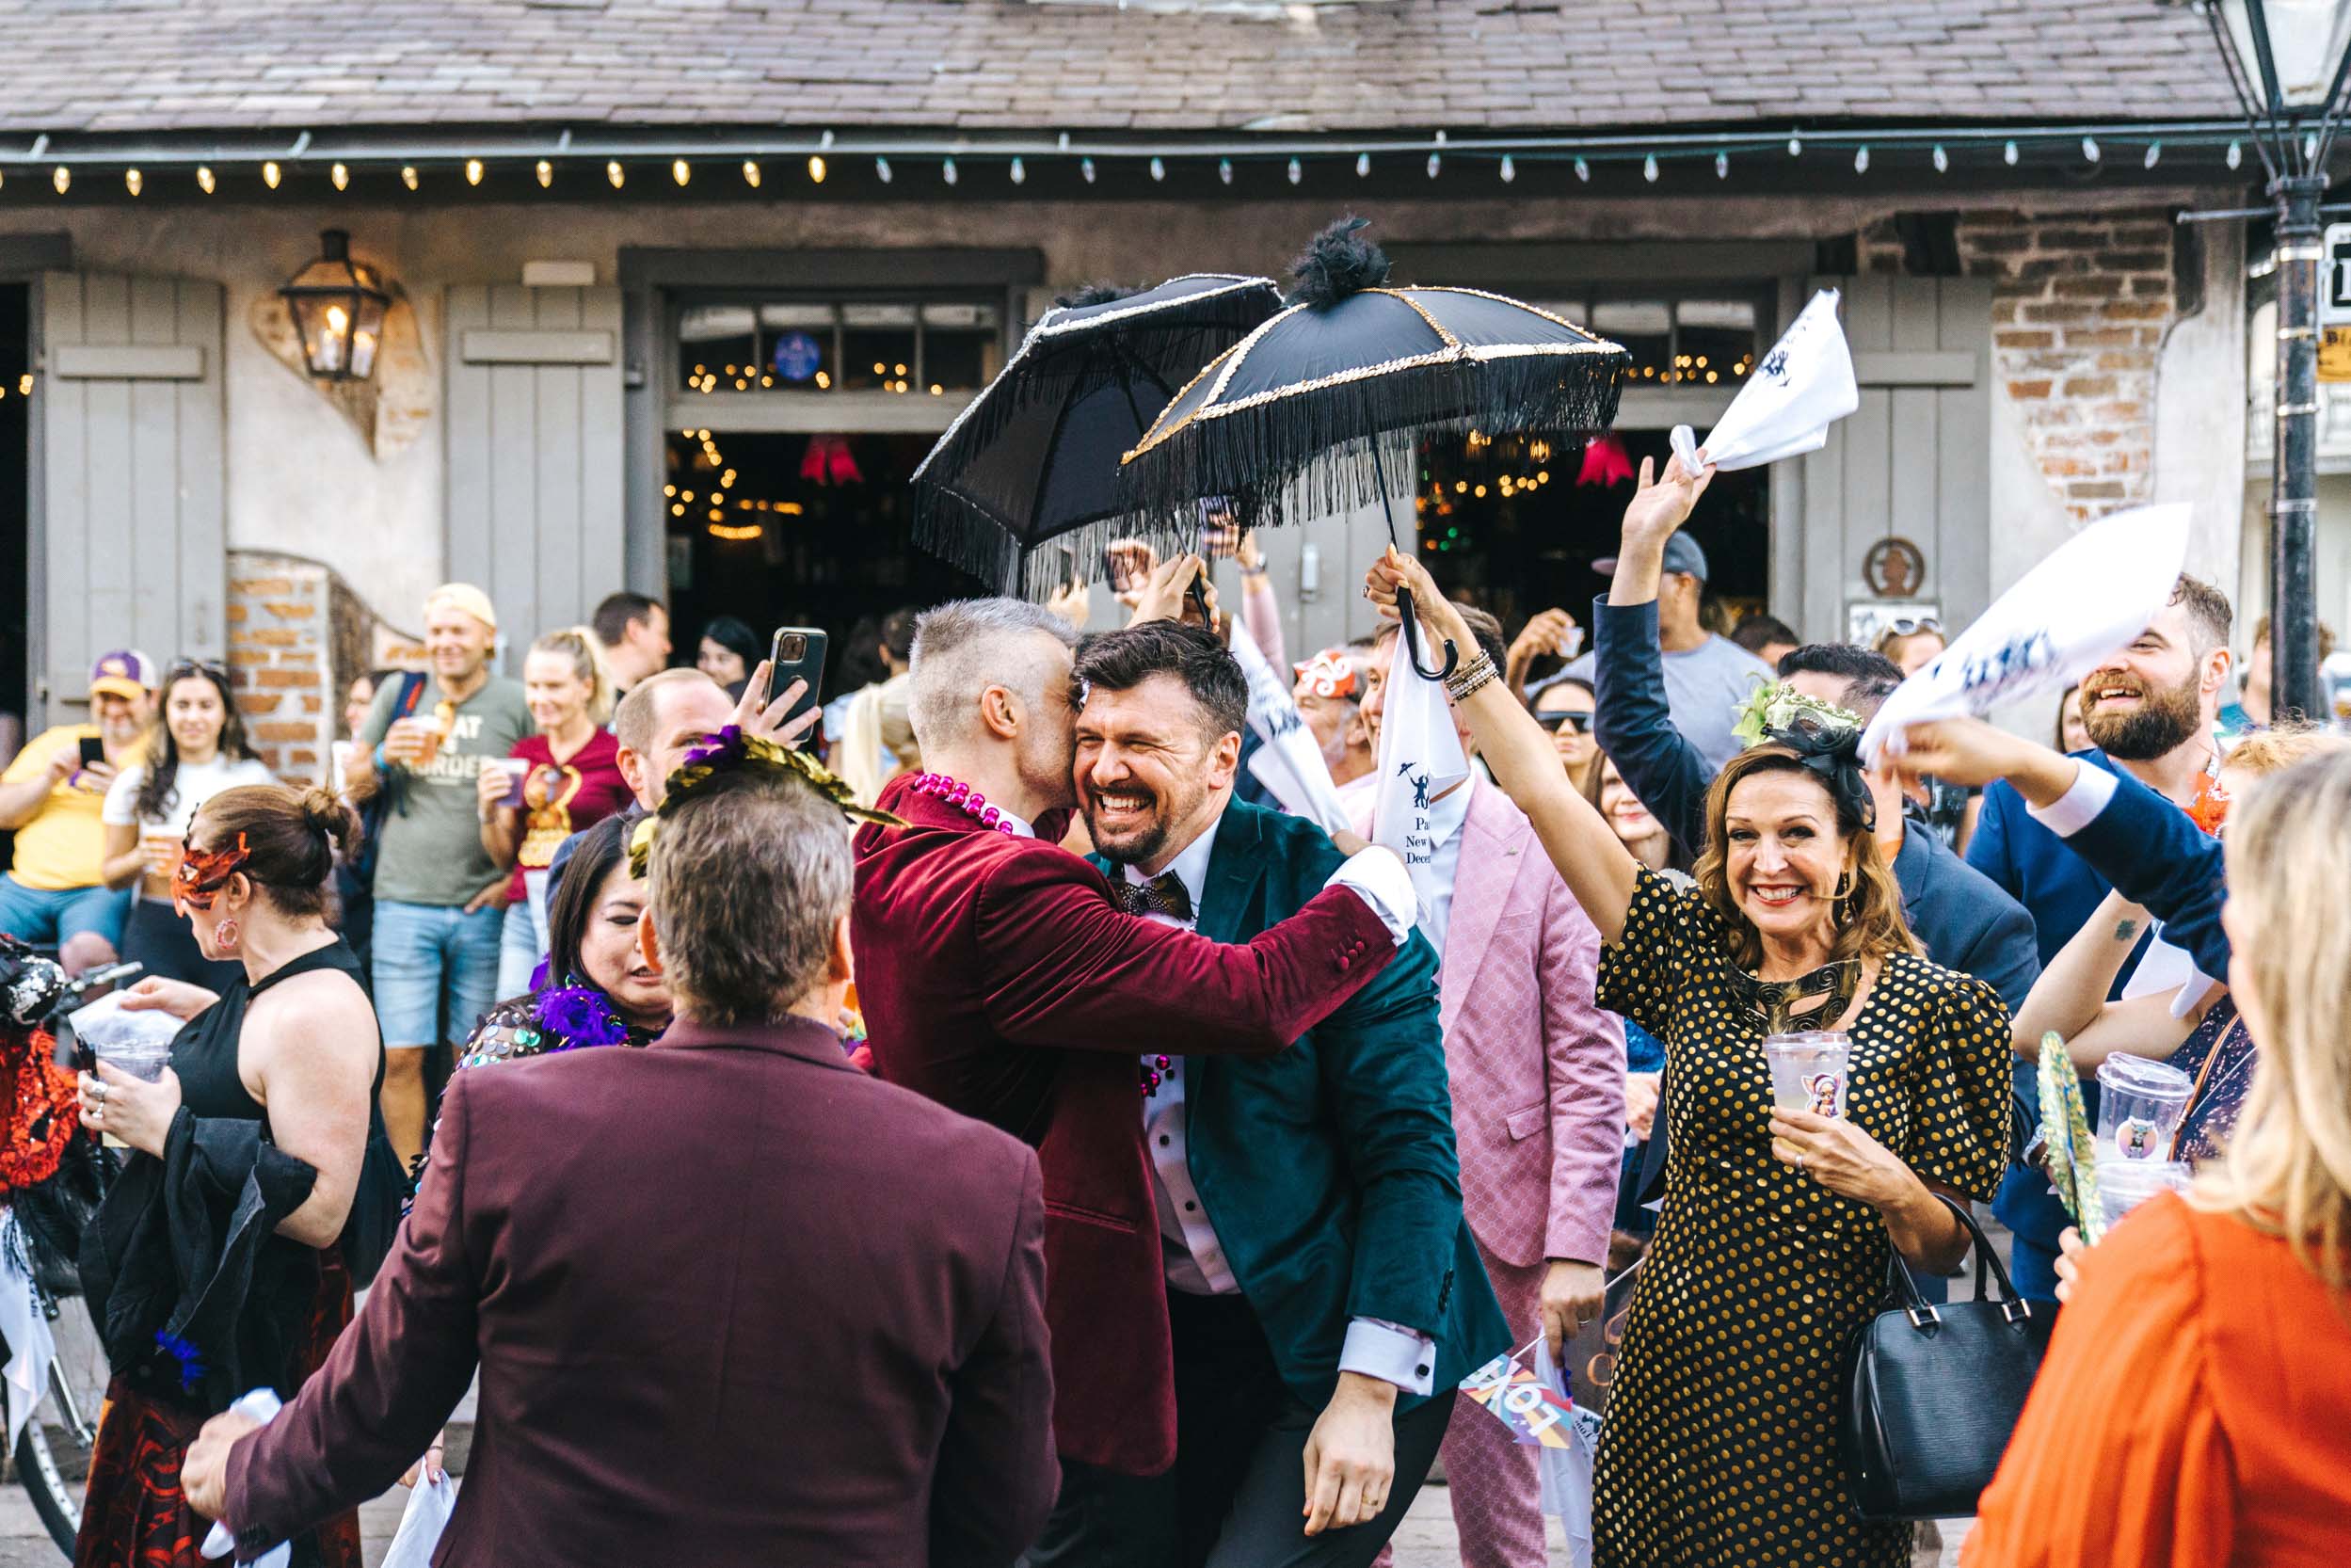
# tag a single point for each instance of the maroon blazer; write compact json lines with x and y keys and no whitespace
{"x":734,"y":1303}
{"x":999,"y":976}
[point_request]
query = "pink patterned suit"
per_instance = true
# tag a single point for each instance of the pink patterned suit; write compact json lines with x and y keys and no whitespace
{"x":1537,"y":1073}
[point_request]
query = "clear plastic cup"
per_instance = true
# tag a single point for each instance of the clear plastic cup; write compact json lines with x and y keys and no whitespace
{"x":2140,"y":1104}
{"x":1808,"y":1070}
{"x":2124,"y":1184}
{"x":137,"y":1043}
{"x":162,"y":848}
{"x":518,"y":774}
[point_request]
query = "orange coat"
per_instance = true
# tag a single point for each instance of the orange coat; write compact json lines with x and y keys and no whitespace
{"x":2192,"y":1411}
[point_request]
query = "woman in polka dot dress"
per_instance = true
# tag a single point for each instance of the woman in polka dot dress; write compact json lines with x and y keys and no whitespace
{"x":1772,"y":1246}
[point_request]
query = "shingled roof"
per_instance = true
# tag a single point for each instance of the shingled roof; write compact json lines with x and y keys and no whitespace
{"x":1309,"y":66}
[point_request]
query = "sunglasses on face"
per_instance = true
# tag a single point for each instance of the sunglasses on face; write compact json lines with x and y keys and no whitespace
{"x":1904,"y":626}
{"x":1580,"y":723}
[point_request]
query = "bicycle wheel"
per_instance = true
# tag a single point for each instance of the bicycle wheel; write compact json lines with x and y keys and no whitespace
{"x":53,"y":1451}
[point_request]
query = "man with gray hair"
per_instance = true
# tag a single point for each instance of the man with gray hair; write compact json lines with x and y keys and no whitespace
{"x":1002,"y":976}
{"x":710,"y":1362}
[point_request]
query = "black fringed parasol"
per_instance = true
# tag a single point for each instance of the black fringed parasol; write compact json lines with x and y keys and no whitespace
{"x":1034,"y":459}
{"x":1318,"y":410}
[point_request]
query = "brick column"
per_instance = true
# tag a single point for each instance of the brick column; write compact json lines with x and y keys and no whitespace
{"x":280,"y":662}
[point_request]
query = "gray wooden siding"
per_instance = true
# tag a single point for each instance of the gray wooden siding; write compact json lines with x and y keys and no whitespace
{"x":536,"y":476}
{"x":1914,"y":459}
{"x":132,"y":548}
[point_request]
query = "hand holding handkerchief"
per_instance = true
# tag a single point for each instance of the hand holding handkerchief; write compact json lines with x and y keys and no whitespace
{"x":1795,"y":393}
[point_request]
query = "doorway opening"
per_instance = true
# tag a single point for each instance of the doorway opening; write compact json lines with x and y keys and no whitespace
{"x":16,"y":434}
{"x":1517,"y":523}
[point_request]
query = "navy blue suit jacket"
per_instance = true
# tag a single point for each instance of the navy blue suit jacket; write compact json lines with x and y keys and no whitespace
{"x":2159,"y":858}
{"x":1965,"y":923}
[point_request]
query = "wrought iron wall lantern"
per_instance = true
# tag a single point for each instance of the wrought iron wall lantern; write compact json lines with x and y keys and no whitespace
{"x":338,"y":308}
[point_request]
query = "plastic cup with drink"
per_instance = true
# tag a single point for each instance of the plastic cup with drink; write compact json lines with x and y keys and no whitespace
{"x":517,"y":773}
{"x":1808,"y":1070}
{"x":2141,"y":1102}
{"x":2124,"y":1184}
{"x":137,"y":1043}
{"x":162,"y":848}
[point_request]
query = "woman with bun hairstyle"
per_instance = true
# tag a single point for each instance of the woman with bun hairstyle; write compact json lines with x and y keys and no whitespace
{"x":261,"y":1186}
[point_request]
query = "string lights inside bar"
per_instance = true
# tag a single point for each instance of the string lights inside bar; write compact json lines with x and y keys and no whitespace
{"x":1108,"y":166}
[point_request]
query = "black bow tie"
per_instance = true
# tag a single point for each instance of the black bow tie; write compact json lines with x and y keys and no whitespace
{"x":1164,"y":894}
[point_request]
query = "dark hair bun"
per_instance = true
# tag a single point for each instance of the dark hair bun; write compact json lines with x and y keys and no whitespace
{"x":327,"y":814}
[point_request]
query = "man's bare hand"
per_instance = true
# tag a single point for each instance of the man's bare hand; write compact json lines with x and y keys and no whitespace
{"x":756,"y":716}
{"x":204,"y":1473}
{"x":1351,"y":1455}
{"x":1573,"y":1295}
{"x":1165,"y":592}
{"x":1070,"y":601}
{"x":1662,"y":505}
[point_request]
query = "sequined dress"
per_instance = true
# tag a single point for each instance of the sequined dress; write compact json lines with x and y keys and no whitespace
{"x":1720,"y":1448}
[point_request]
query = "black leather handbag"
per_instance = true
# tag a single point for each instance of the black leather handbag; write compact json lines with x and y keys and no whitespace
{"x":1934,"y":1391}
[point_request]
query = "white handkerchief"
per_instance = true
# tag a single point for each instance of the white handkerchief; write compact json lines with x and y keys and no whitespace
{"x":2088,"y":598}
{"x":262,"y":1404}
{"x":1288,"y":763}
{"x":1795,"y":393}
{"x":1420,"y":758}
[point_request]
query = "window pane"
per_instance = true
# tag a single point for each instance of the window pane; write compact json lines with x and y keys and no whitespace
{"x":1718,"y":341}
{"x":717,"y":345}
{"x":1645,"y":327}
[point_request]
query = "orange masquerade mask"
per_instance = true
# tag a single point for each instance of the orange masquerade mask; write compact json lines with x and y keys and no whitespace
{"x":205,"y":871}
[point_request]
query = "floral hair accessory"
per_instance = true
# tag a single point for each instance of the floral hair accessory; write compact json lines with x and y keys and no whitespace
{"x":1327,"y":674}
{"x":205,"y":871}
{"x":728,"y":750}
{"x":1773,"y":709}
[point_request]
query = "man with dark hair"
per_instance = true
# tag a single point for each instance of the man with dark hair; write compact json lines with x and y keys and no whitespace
{"x":1321,"y":1283}
{"x":634,"y":631}
{"x":1005,"y":978}
{"x":716,"y":1362}
{"x":1963,"y":920}
{"x":1767,"y":637}
{"x":2150,"y":711}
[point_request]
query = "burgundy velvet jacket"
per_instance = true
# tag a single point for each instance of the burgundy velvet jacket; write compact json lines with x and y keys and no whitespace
{"x":999,"y":976}
{"x":734,"y":1302}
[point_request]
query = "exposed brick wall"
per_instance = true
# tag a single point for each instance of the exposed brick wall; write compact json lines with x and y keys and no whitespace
{"x":280,"y":660}
{"x":2080,"y":305}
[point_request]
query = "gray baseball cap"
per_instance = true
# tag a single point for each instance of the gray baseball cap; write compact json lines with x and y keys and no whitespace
{"x":1681,"y":554}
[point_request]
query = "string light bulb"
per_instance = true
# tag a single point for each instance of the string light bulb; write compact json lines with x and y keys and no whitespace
{"x":1086,"y":168}
{"x":1722,"y":166}
{"x":946,"y":171}
{"x":1860,"y":159}
{"x":205,"y":180}
{"x":270,"y":174}
{"x":1649,"y":168}
{"x":1295,"y":173}
{"x":1437,"y":160}
{"x":341,"y":176}
{"x":1363,"y":165}
{"x":2007,"y":154}
{"x":816,"y":170}
{"x":2089,"y":148}
{"x":881,"y":169}
{"x":2154,"y":152}
{"x":1159,"y":170}
{"x":1942,"y":159}
{"x":1583,"y":172}
{"x":1796,"y":147}
{"x":1225,"y":169}
{"x":679,"y":171}
{"x":62,"y":178}
{"x":408,"y":175}
{"x":133,"y":180}
{"x":1510,"y":168}
{"x":2236,"y":156}
{"x":614,"y":173}
{"x":751,"y":173}
{"x":1019,"y":172}
{"x":546,"y":172}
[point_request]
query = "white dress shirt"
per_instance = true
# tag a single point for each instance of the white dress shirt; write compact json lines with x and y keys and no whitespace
{"x":1194,"y":1258}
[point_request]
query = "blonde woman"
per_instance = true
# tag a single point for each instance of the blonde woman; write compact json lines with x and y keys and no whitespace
{"x":1774,"y":1239}
{"x":549,"y":786}
{"x":2191,"y":1408}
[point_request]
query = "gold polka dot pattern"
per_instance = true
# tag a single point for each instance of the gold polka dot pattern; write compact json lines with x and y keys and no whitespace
{"x":1719,"y":1448}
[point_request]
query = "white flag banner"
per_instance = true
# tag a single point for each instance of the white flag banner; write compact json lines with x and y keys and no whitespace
{"x":1420,"y":758}
{"x":1288,"y":761}
{"x":1792,"y":397}
{"x":2085,"y":602}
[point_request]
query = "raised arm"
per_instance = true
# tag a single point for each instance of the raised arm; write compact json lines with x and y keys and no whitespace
{"x":1595,"y":866}
{"x":2073,"y":989}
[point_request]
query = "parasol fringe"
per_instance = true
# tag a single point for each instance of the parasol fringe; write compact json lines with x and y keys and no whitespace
{"x":1306,"y":454}
{"x":966,"y":537}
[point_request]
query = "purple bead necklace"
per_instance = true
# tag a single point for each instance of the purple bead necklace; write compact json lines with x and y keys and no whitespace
{"x":964,"y":798}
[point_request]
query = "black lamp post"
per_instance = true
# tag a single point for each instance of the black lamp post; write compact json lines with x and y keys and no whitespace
{"x":2287,"y":61}
{"x":339,"y":310}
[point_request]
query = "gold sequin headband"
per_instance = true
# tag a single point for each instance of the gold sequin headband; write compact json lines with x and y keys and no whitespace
{"x":731,"y":749}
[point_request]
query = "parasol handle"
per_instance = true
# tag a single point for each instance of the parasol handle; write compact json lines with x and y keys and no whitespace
{"x":1409,"y":629}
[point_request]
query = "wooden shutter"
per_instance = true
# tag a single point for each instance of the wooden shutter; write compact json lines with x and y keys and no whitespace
{"x":1914,"y":460}
{"x":132,"y":548}
{"x":536,"y":476}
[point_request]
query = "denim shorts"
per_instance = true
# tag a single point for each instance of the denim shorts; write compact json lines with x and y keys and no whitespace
{"x":48,"y":916}
{"x":436,"y":970}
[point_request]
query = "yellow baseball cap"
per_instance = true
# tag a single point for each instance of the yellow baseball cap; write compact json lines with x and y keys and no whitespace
{"x":464,"y":597}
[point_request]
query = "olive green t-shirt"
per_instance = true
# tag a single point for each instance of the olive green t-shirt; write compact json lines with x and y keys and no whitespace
{"x":432,"y":843}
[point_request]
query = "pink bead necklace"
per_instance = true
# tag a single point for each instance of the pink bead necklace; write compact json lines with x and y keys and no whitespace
{"x":964,"y":798}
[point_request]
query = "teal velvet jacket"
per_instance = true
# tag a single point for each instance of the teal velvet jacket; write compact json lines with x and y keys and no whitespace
{"x":1329,"y":1170}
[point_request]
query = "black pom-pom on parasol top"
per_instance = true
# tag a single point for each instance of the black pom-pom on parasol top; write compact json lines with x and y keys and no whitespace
{"x":1336,"y":264}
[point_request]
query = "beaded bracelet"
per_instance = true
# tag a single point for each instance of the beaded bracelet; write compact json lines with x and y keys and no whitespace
{"x":1479,"y":681}
{"x":1462,"y":682}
